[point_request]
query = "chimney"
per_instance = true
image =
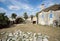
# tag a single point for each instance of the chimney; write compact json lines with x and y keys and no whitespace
{"x":42,"y":6}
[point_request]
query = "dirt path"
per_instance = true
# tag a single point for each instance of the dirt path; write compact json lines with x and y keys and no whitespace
{"x":54,"y":33}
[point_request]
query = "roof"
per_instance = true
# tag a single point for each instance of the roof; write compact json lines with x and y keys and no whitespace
{"x":53,"y":7}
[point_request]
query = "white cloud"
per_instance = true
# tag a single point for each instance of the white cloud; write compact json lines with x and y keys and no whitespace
{"x":27,"y":7}
{"x":14,"y":7}
{"x":17,"y":5}
{"x":2,"y":10}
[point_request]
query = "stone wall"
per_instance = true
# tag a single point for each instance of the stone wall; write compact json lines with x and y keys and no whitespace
{"x":46,"y":20}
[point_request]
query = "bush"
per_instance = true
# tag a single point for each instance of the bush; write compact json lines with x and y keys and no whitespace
{"x":4,"y":20}
{"x":19,"y":20}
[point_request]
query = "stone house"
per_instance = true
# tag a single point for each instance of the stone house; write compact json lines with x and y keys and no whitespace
{"x":47,"y":15}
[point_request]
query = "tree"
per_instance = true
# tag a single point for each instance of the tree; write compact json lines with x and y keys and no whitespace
{"x":19,"y":20}
{"x":25,"y":16}
{"x":13,"y":15}
{"x":37,"y":17}
{"x":31,"y":17}
{"x":4,"y":20}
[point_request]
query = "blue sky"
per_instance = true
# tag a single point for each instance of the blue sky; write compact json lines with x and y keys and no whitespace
{"x":21,"y":6}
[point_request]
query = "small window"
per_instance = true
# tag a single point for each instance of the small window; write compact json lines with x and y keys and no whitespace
{"x":51,"y":15}
{"x":42,"y":16}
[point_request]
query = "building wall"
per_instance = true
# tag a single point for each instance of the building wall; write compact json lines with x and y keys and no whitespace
{"x":46,"y":19}
{"x":42,"y":18}
{"x":34,"y":19}
{"x":29,"y":19}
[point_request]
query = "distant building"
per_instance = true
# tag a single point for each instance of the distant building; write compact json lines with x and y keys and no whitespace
{"x":34,"y":19}
{"x":12,"y":21}
{"x":47,"y":15}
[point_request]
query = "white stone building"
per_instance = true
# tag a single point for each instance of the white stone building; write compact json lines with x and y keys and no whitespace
{"x":34,"y":19}
{"x":47,"y":15}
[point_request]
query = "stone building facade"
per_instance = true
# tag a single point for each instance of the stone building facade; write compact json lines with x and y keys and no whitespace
{"x":47,"y":15}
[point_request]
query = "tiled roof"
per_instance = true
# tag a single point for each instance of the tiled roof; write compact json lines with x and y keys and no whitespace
{"x":53,"y":7}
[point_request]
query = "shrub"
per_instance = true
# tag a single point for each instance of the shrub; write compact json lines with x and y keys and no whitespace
{"x":4,"y":20}
{"x":19,"y":20}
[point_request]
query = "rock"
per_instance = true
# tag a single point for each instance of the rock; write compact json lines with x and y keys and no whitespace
{"x":39,"y":38}
{"x":24,"y":39}
{"x":34,"y":39}
{"x":28,"y":33}
{"x":16,"y":36}
{"x":6,"y":34}
{"x":4,"y":39}
{"x":3,"y":33}
{"x":30,"y":39}
{"x":10,"y":34}
{"x":39,"y":33}
{"x":46,"y":36}
{"x":23,"y":36}
{"x":20,"y":33}
{"x":45,"y":39}
{"x":9,"y":39}
{"x":34,"y":34}
{"x":13,"y":38}
{"x":27,"y":39}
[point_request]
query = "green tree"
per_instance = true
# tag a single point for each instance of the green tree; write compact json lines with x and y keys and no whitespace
{"x":37,"y":17}
{"x":4,"y":20}
{"x":31,"y":17}
{"x":19,"y":20}
{"x":13,"y":15}
{"x":25,"y":16}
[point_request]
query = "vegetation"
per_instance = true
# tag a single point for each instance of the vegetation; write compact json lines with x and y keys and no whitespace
{"x":4,"y":20}
{"x":25,"y":16}
{"x":13,"y":15}
{"x":19,"y":20}
{"x":31,"y":17}
{"x":37,"y":17}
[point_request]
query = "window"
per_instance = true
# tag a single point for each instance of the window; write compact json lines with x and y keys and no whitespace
{"x":42,"y":16}
{"x":51,"y":15}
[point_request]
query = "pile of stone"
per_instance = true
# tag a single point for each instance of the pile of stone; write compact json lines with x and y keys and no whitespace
{"x":23,"y":36}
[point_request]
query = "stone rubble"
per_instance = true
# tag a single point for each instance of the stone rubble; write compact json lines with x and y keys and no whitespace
{"x":23,"y":36}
